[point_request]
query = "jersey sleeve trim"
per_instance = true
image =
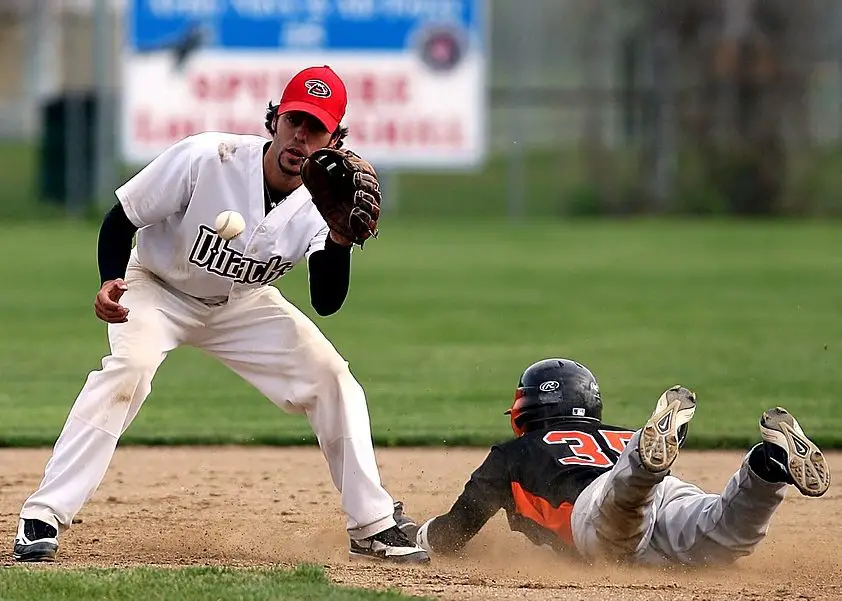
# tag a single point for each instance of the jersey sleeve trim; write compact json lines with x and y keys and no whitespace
{"x":123,"y":197}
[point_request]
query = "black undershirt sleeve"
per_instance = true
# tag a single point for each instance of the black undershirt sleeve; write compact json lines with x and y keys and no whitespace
{"x":330,"y":276}
{"x":487,"y":491}
{"x":115,"y":244}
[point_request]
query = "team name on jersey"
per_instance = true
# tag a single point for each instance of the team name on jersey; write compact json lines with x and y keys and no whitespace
{"x":212,"y":253}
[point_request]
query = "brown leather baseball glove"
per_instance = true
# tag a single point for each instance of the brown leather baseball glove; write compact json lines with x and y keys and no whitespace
{"x":346,"y":192}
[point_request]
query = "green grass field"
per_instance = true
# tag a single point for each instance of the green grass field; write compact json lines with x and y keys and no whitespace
{"x":305,"y":583}
{"x":442,"y":319}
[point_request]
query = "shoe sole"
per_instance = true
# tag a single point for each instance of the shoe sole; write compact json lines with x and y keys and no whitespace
{"x":659,"y":442}
{"x":412,"y":558}
{"x":806,"y":463}
{"x":36,"y":554}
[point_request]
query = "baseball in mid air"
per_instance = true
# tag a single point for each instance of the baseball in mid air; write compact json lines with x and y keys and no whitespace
{"x":229,"y":224}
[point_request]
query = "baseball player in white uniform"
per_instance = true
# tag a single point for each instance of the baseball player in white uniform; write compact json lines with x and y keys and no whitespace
{"x":182,"y":284}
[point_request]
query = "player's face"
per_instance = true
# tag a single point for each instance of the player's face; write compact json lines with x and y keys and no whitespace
{"x":297,"y":136}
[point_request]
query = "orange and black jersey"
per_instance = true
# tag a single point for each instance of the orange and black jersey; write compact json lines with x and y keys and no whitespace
{"x":536,"y":478}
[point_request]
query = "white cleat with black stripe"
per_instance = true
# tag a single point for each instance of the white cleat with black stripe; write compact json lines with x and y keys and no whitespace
{"x":788,"y":447}
{"x":664,"y":432}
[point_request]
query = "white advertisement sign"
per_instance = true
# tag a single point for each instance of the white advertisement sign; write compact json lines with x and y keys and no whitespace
{"x":415,"y":73}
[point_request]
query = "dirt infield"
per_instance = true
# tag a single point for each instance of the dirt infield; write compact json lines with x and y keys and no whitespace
{"x":265,"y":506}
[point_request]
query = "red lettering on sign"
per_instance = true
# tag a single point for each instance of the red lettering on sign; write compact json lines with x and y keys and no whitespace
{"x":400,"y":92}
{"x":364,"y":88}
{"x":199,"y":86}
{"x":423,"y":132}
{"x":257,"y":86}
{"x":165,"y":130}
{"x":366,"y":93}
{"x":225,"y":86}
{"x":241,"y":125}
{"x":371,"y":89}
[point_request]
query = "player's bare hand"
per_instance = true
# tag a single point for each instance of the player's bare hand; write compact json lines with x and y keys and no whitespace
{"x":107,"y":305}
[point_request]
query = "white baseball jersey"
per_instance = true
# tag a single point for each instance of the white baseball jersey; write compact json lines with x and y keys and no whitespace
{"x":176,"y":198}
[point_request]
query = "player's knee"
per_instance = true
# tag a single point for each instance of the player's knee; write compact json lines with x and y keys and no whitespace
{"x":327,"y":363}
{"x":333,"y":375}
{"x":327,"y":377}
{"x":135,"y":363}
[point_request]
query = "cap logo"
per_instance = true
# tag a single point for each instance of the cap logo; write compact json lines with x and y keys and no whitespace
{"x":549,"y":386}
{"x":317,"y":88}
{"x":578,"y":411}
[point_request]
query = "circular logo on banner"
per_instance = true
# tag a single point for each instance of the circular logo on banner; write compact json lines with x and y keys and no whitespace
{"x":549,"y":386}
{"x":441,"y":48}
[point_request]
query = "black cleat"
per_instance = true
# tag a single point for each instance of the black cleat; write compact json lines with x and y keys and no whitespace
{"x":35,"y":541}
{"x":390,"y":545}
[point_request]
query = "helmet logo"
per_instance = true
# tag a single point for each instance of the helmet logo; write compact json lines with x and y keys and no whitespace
{"x":549,"y":386}
{"x":579,"y":411}
{"x":317,"y":88}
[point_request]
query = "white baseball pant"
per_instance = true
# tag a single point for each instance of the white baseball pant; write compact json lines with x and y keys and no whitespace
{"x":260,"y":336}
{"x":630,"y":513}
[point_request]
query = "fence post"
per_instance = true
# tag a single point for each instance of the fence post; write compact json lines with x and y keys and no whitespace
{"x":664,"y":139}
{"x":104,"y":163}
{"x":517,"y":189}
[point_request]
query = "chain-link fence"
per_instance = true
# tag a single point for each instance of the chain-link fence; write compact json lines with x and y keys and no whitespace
{"x":596,"y":106}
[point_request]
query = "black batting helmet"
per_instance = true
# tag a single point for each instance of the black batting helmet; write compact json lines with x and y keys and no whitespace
{"x":554,"y":389}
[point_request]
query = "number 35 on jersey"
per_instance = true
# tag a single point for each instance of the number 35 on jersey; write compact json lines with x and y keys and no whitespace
{"x":586,"y":449}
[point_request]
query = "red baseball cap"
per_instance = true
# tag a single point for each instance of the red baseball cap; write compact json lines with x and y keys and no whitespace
{"x":318,"y":91}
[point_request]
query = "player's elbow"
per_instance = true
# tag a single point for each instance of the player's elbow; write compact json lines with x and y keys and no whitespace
{"x":325,"y":307}
{"x":326,"y":296}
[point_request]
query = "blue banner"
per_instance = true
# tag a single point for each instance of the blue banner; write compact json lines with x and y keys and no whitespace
{"x":336,"y":25}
